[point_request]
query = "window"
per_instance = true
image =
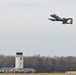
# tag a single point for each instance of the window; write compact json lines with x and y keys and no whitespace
{"x":20,"y":58}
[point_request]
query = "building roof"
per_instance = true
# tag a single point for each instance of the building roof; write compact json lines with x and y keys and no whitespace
{"x":5,"y":69}
{"x":24,"y":69}
{"x":11,"y":69}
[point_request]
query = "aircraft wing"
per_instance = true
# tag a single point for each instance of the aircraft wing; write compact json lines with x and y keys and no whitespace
{"x":56,"y":17}
{"x":51,"y":19}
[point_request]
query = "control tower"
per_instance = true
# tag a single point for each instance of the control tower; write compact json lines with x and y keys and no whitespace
{"x":19,"y":60}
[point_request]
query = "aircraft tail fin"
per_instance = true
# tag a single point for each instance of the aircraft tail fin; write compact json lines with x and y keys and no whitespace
{"x":71,"y":22}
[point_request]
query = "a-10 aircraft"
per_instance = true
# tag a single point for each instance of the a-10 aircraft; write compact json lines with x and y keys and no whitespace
{"x":63,"y":20}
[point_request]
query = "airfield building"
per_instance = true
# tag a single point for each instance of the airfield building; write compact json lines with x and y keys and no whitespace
{"x":18,"y":66}
{"x":19,"y":60}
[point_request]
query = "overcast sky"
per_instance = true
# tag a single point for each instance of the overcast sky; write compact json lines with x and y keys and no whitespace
{"x":24,"y":27}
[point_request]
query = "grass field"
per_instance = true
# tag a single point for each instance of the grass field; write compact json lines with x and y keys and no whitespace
{"x":35,"y":74}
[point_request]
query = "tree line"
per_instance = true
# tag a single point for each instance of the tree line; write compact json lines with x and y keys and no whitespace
{"x":42,"y":63}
